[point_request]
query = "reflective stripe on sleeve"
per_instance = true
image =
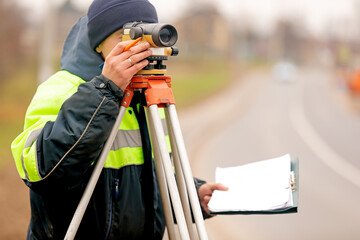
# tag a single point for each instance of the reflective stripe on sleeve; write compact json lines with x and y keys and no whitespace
{"x":30,"y":166}
{"x":32,"y":137}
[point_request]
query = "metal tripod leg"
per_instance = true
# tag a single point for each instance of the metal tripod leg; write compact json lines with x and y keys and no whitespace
{"x":159,"y":137}
{"x":180,"y":146}
{"x":80,"y":210}
{"x":162,"y":182}
{"x":180,"y":179}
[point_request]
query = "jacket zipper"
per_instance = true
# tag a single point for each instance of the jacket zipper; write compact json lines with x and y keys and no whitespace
{"x":114,"y":194}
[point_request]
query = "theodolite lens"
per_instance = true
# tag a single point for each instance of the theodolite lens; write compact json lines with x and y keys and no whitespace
{"x":165,"y":35}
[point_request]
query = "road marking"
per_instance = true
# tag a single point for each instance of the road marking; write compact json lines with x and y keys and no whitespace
{"x":324,"y":152}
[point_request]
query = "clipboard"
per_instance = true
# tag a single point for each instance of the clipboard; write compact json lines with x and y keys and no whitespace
{"x":293,"y":208}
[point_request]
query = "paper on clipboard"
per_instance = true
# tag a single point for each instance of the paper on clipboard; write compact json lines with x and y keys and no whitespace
{"x":263,"y":186}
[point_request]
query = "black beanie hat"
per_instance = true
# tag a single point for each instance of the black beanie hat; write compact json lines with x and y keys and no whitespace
{"x":108,"y":16}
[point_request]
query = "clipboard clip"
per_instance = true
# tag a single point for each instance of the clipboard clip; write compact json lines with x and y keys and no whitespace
{"x":292,"y":181}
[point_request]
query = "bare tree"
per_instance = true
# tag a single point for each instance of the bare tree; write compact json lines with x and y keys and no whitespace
{"x":12,"y":26}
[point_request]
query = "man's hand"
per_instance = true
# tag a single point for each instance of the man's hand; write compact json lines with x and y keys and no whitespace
{"x":205,"y":192}
{"x":121,"y":66}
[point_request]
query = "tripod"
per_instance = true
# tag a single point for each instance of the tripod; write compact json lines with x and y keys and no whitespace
{"x":181,"y":191}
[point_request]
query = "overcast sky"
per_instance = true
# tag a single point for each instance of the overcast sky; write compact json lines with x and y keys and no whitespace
{"x":317,"y":13}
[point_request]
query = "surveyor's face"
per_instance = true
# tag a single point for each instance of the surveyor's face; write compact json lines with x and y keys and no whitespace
{"x":109,"y":43}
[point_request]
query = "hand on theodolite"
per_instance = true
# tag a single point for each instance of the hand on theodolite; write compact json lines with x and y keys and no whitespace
{"x":123,"y":59}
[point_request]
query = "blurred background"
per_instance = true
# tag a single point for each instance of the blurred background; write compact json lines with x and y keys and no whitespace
{"x":254,"y":80}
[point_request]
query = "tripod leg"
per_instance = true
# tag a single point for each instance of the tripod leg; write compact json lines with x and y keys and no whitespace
{"x":172,"y":187}
{"x":80,"y":210}
{"x":162,"y":184}
{"x":180,"y":181}
{"x":175,"y":125}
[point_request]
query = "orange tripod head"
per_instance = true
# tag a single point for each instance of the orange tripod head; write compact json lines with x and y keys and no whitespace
{"x":156,"y":89}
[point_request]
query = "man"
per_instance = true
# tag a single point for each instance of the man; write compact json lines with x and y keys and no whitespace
{"x":68,"y":122}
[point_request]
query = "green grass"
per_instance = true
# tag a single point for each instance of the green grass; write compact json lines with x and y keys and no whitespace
{"x":15,"y":95}
{"x":193,"y":80}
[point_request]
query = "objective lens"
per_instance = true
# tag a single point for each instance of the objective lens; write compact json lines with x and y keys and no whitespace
{"x":165,"y":35}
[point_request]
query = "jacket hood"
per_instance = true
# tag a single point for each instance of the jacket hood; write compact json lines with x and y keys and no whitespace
{"x":78,"y":57}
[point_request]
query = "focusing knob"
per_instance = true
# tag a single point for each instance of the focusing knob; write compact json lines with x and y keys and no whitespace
{"x":174,"y":51}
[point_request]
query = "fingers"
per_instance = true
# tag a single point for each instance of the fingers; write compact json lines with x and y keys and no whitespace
{"x":205,"y":203}
{"x":206,"y":191}
{"x":209,"y":188}
{"x":137,"y":67}
{"x":119,"y":48}
{"x":136,"y":50}
{"x":218,"y":186}
{"x":138,"y":61}
{"x":132,"y":57}
{"x":207,"y":199}
{"x":138,"y":57}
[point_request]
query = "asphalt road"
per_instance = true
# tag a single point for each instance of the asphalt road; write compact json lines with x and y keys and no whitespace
{"x":259,"y":118}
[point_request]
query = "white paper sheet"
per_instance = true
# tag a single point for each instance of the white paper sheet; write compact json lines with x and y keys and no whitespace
{"x":258,"y":186}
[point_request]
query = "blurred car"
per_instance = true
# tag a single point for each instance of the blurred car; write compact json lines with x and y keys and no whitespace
{"x":284,"y":71}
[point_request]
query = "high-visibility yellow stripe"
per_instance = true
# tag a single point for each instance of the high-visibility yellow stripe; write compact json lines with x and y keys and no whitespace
{"x":129,"y":121}
{"x":124,"y":157}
